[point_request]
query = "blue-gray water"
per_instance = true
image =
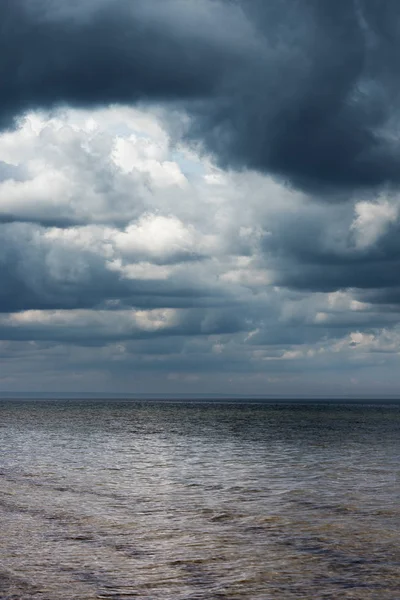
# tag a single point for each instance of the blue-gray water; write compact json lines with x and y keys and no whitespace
{"x":198,"y":501}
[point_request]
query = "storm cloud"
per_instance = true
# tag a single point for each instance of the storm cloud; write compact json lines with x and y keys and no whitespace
{"x":304,"y":89}
{"x":199,"y":196}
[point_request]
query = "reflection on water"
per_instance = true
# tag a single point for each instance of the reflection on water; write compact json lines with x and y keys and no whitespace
{"x":198,"y":501}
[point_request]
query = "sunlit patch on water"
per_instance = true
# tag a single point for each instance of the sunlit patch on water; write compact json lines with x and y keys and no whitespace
{"x":175,"y":501}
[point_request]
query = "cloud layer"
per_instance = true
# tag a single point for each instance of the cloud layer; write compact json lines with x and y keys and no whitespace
{"x":199,"y":196}
{"x":302,"y":89}
{"x":131,"y":262}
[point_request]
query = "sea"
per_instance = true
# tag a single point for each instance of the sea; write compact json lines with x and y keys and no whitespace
{"x":195,"y":500}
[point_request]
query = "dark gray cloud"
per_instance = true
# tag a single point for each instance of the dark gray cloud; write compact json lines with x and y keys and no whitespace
{"x":97,"y":52}
{"x":91,"y":328}
{"x":320,"y":249}
{"x":124,"y":255}
{"x":304,"y":89}
{"x":42,"y":273}
{"x":40,"y":220}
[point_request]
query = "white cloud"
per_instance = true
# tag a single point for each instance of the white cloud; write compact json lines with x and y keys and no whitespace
{"x":156,"y":236}
{"x":371,"y":221}
{"x":117,"y":216}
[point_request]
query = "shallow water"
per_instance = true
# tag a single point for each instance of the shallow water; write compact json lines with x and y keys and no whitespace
{"x":198,"y":501}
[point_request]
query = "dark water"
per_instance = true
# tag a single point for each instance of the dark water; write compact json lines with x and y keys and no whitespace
{"x":193,"y":501}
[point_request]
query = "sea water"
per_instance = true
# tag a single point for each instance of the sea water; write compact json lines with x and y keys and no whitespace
{"x":189,"y":500}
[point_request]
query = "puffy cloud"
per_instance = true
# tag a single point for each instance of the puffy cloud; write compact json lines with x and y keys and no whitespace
{"x":199,"y":196}
{"x":372,"y":220}
{"x":130,"y":261}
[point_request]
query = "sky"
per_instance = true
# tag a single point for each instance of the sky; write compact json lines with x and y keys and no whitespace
{"x":200,"y":197}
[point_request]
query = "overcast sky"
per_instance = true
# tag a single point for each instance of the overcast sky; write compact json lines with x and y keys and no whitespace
{"x":200,"y":196}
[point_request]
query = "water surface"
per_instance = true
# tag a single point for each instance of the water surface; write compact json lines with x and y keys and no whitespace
{"x":198,"y":501}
